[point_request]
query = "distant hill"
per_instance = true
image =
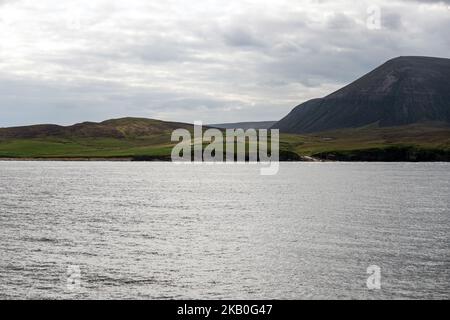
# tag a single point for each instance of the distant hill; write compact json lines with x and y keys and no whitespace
{"x":145,"y":139}
{"x":245,"y":125}
{"x":127,"y":138}
{"x":116,"y":128}
{"x":403,"y":91}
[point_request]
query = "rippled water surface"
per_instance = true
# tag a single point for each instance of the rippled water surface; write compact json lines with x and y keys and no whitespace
{"x":159,"y":230}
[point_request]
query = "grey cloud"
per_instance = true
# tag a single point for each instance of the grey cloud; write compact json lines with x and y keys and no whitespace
{"x":2,"y":2}
{"x":242,"y":37}
{"x":429,"y":1}
{"x":392,"y":21}
{"x":225,"y":64}
{"x":340,"y":21}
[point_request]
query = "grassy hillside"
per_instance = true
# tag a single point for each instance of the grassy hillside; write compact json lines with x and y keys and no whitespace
{"x":419,"y":135}
{"x":127,"y":137}
{"x":150,"y":139}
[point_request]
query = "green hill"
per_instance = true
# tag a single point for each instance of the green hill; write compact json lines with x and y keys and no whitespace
{"x":146,"y":139}
{"x":118,"y":138}
{"x":417,"y":142}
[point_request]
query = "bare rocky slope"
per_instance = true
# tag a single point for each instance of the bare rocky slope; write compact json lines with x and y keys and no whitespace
{"x":402,"y":91}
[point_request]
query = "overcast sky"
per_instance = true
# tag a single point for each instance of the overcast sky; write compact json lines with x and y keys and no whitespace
{"x":212,"y":60}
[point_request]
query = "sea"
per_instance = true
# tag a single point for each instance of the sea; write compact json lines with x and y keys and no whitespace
{"x":157,"y":230}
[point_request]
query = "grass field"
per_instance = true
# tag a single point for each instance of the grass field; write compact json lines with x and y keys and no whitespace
{"x":82,"y":147}
{"x":418,"y":136}
{"x":159,"y":146}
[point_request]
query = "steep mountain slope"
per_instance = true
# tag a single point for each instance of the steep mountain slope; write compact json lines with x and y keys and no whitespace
{"x":402,"y":91}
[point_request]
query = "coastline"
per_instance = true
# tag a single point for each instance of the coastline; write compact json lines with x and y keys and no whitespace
{"x":69,"y":159}
{"x":389,"y":154}
{"x":130,"y":159}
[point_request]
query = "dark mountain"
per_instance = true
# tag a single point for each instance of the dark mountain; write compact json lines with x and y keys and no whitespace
{"x":402,"y":91}
{"x":116,"y":128}
{"x":245,"y":125}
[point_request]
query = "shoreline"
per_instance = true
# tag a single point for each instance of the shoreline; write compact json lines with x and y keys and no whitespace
{"x":130,"y":159}
{"x":77,"y":159}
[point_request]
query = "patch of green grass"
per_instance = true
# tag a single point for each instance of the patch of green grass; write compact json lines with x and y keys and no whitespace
{"x":419,"y":136}
{"x":159,"y":145}
{"x":85,"y":147}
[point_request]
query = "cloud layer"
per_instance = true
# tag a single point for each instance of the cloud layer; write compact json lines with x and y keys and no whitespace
{"x":211,"y":60}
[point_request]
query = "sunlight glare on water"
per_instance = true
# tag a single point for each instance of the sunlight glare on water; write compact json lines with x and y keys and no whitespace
{"x":158,"y":230}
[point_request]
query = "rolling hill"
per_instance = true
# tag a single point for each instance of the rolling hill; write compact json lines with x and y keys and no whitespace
{"x":117,"y":138}
{"x":146,"y":139}
{"x":115,"y":128}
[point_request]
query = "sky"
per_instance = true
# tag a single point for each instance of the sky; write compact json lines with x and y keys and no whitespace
{"x":216,"y":61}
